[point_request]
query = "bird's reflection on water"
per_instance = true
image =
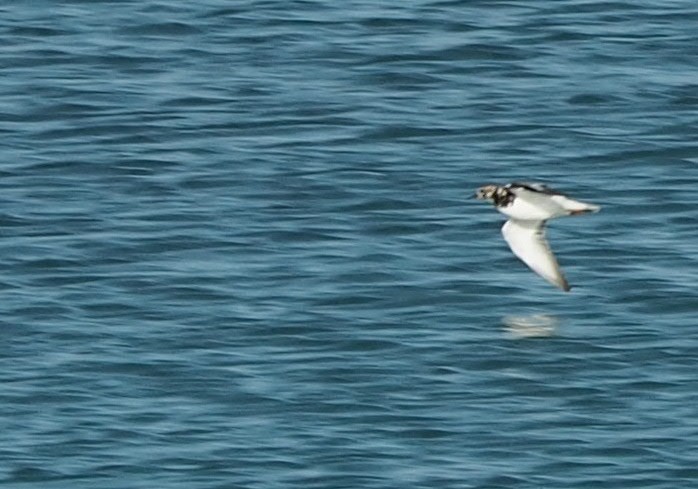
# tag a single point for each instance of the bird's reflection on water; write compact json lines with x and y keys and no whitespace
{"x":531,"y":325}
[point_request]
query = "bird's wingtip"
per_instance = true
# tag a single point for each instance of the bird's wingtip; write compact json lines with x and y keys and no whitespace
{"x":563,"y":284}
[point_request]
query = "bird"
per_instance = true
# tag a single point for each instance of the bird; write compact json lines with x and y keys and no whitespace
{"x":529,"y":206}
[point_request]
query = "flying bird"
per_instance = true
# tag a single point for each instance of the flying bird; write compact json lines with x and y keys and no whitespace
{"x":529,"y":206}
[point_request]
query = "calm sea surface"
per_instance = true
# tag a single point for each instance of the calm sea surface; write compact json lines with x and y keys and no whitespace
{"x":239,"y":249}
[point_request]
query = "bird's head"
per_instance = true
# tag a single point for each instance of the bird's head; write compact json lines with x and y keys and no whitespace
{"x":486,"y":192}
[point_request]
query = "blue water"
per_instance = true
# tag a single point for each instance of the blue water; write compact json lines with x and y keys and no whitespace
{"x":239,"y":249}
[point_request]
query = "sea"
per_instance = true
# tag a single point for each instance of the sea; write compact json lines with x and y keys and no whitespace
{"x":239,"y":245}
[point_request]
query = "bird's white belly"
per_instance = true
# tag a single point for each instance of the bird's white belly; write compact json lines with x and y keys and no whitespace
{"x":525,"y":210}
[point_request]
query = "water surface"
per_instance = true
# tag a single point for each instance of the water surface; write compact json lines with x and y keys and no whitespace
{"x":239,"y":249}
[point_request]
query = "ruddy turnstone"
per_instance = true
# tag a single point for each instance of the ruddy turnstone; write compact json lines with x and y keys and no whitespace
{"x":529,"y":206}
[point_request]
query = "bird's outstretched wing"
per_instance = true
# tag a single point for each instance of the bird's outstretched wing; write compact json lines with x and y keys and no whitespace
{"x":527,"y":240}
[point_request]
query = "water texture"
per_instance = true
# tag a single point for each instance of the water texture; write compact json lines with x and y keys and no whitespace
{"x":239,"y":248}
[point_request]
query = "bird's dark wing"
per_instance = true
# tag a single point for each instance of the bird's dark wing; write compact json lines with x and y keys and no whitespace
{"x":534,"y":187}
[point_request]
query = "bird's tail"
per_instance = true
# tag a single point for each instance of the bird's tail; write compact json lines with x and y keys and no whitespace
{"x":574,"y":207}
